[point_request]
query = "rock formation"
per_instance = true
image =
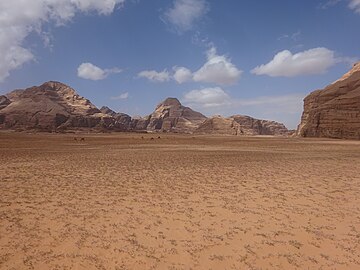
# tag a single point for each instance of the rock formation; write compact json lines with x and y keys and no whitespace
{"x":241,"y":125}
{"x":51,"y":106}
{"x":171,"y":116}
{"x":334,"y":112}
{"x":120,"y":121}
{"x":54,"y":106}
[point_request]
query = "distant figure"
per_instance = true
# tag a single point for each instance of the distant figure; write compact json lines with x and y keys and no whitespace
{"x":75,"y":139}
{"x":142,"y":137}
{"x":151,"y":138}
{"x":159,"y":137}
{"x":82,"y":139}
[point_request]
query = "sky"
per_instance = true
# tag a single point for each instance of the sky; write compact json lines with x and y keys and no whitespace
{"x":250,"y":57}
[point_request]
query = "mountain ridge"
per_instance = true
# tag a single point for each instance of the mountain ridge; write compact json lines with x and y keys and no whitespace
{"x":56,"y":107}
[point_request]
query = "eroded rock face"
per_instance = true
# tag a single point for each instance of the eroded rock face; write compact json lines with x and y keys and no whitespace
{"x":171,"y":116}
{"x":4,"y":101}
{"x":334,"y":112}
{"x":241,"y":125}
{"x":51,"y":106}
{"x":252,"y":126}
{"x":218,"y":125}
{"x":120,"y":121}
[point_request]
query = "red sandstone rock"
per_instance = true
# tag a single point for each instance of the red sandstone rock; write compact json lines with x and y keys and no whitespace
{"x":241,"y":125}
{"x":171,"y":116}
{"x":334,"y":112}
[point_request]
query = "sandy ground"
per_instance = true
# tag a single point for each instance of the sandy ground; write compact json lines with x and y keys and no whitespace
{"x":180,"y":202}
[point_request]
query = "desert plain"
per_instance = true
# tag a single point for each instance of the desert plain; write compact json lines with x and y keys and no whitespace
{"x":136,"y":201}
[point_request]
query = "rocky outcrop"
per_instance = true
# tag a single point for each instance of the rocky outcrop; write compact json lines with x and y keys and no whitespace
{"x":51,"y":106}
{"x":140,"y":123}
{"x":241,"y":125}
{"x":120,"y":121}
{"x":334,"y":112}
{"x":171,"y":116}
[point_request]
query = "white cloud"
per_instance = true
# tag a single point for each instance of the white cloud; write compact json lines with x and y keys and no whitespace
{"x":329,"y":3}
{"x":122,"y":96}
{"x":182,"y":74}
{"x":19,"y":18}
{"x":355,"y":5}
{"x":155,"y":76}
{"x":12,"y":58}
{"x":207,"y":97}
{"x":218,"y":69}
{"x":286,"y":64}
{"x":185,"y":13}
{"x":91,"y":72}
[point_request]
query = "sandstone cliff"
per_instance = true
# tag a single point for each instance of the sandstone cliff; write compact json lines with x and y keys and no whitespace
{"x":334,"y":112}
{"x":171,"y":116}
{"x":241,"y":125}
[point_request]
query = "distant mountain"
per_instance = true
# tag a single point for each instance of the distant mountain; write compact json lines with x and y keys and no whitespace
{"x":54,"y":106}
{"x":51,"y":106}
{"x":241,"y":125}
{"x":334,"y":112}
{"x":171,"y":116}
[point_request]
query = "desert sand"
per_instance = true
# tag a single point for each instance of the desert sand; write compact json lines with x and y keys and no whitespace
{"x":120,"y":201}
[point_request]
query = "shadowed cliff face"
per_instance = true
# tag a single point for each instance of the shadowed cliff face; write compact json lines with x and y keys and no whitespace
{"x":4,"y":101}
{"x":334,"y":112}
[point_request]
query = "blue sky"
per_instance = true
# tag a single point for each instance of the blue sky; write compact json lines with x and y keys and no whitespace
{"x":259,"y":58}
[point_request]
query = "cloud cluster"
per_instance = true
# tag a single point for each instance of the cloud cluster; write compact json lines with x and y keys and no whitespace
{"x":155,"y":76}
{"x":185,"y":13}
{"x":91,"y":72}
{"x":286,"y":64}
{"x":218,"y":69}
{"x":207,"y":97}
{"x":19,"y":18}
{"x":182,"y":74}
{"x":355,"y":5}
